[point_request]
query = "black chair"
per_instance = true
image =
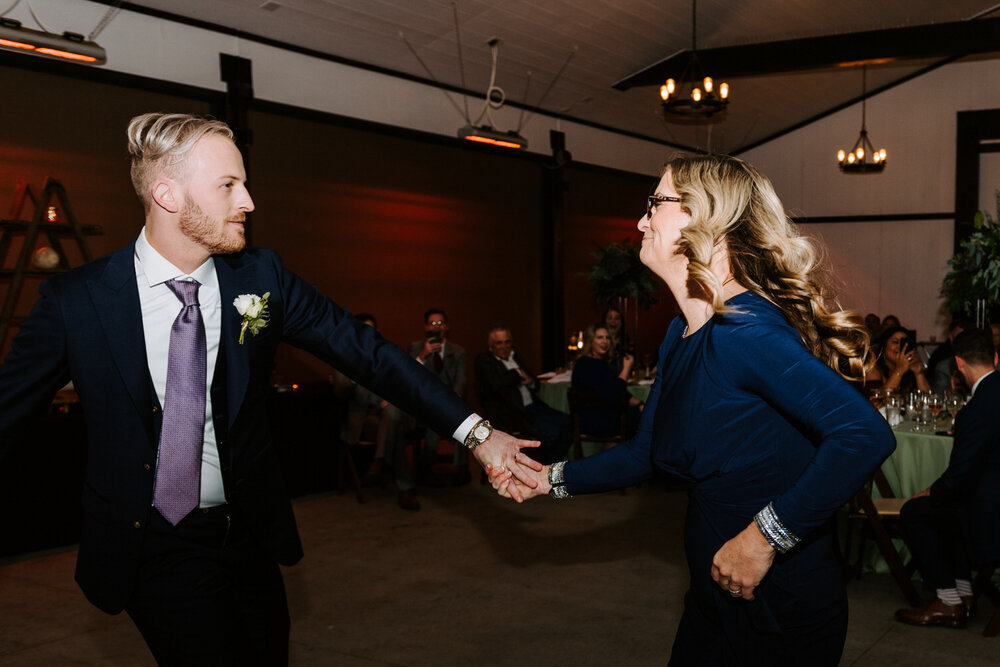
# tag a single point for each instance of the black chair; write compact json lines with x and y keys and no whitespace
{"x":578,"y":399}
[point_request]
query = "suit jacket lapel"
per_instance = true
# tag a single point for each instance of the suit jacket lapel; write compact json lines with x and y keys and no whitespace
{"x":235,"y":278}
{"x":116,"y":300}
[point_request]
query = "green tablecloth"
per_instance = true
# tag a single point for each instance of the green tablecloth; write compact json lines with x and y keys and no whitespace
{"x":919,"y":459}
{"x":556,"y":394}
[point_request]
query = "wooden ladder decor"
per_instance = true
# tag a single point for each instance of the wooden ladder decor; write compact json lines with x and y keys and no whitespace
{"x":52,"y":199}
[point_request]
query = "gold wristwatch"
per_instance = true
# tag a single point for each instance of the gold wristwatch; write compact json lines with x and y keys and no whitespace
{"x":478,"y":434}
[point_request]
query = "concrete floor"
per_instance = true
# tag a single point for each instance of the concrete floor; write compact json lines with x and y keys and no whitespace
{"x":469,"y":580}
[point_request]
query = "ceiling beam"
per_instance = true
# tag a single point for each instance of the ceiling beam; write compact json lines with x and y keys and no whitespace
{"x":831,"y":51}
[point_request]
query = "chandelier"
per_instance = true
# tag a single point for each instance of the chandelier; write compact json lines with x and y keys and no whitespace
{"x":862,"y":158}
{"x":703,"y":99}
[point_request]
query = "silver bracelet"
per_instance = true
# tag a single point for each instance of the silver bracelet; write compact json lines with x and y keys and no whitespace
{"x":557,"y":481}
{"x":774,"y":531}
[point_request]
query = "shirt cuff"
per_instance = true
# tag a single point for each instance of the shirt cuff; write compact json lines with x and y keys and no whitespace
{"x":462,"y":432}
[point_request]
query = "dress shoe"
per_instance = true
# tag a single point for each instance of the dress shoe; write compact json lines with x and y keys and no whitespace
{"x":934,"y":613}
{"x":408,"y":500}
{"x":969,"y":602}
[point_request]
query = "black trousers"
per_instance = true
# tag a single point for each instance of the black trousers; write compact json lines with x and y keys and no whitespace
{"x":207,"y":595}
{"x":937,"y":536}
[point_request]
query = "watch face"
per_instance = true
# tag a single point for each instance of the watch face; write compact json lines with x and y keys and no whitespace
{"x":481,"y":433}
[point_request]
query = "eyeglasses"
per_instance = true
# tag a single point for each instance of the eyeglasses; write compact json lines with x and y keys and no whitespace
{"x":436,"y":323}
{"x":652,"y":201}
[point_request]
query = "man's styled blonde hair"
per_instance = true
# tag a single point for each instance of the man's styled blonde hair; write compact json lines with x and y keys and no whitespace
{"x":161,"y":141}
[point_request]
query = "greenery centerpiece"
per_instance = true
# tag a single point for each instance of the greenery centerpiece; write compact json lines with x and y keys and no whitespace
{"x":620,"y":274}
{"x":972,"y":285}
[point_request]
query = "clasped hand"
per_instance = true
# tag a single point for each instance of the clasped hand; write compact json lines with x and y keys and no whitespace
{"x":502,"y":452}
{"x":526,"y":480}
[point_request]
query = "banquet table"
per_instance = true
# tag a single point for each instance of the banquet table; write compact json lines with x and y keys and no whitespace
{"x":556,"y":394}
{"x":918,"y":460}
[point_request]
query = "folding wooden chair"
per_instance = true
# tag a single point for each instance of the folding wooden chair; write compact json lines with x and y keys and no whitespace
{"x":877,"y":512}
{"x":984,"y":587}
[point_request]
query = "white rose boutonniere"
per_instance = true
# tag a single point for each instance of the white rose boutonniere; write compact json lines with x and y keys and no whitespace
{"x":253,"y":310}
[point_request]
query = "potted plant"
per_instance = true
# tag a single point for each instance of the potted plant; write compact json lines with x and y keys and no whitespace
{"x":972,"y":284}
{"x":619,"y":273}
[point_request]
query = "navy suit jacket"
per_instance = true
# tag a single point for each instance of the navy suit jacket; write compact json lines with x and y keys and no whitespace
{"x":87,"y":327}
{"x":499,"y":390}
{"x":972,"y":478}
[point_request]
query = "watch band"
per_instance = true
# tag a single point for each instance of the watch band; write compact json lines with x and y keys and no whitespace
{"x":471,"y":441}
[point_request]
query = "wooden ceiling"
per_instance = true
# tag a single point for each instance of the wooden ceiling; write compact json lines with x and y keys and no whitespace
{"x":633,"y":43}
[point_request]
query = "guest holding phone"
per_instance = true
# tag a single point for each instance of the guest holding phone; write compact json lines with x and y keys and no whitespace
{"x":898,"y":367}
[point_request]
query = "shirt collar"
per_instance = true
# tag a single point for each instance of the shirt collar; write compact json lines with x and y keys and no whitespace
{"x":157,"y":269}
{"x":980,"y":380}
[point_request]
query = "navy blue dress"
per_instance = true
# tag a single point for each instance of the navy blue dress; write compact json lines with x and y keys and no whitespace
{"x":749,"y":416}
{"x":597,"y":377}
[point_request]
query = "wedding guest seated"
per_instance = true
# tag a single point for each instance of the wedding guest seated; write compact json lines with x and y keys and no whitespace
{"x":874,"y":325}
{"x":888,"y":322}
{"x":941,"y":365}
{"x":593,"y":374}
{"x":369,"y":414}
{"x":620,"y":343}
{"x":507,"y":391}
{"x":898,"y":368}
{"x":956,"y":522}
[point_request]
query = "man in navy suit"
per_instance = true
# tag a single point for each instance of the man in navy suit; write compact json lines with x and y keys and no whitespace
{"x":956,"y":522}
{"x":203,"y":587}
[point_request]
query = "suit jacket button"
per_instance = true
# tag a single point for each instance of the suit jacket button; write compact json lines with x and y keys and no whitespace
{"x":155,"y":409}
{"x":147,"y":466}
{"x":137,"y":524}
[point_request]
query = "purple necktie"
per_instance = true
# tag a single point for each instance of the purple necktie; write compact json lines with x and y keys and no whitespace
{"x":178,"y":469}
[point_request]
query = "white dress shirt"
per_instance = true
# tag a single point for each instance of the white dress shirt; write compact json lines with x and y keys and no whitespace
{"x":511,"y":365}
{"x":160,"y":307}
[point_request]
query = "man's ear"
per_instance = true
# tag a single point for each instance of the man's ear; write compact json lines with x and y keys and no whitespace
{"x":166,"y":195}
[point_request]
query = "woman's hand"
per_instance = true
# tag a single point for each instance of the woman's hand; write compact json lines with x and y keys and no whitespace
{"x":742,"y":562}
{"x":508,"y":486}
{"x":899,"y":359}
{"x":627,"y":361}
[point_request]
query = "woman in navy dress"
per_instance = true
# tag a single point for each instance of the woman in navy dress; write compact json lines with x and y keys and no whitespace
{"x":592,"y":373}
{"x":751,"y":406}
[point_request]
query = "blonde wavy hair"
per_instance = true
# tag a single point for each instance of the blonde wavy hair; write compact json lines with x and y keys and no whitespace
{"x":161,"y":141}
{"x":731,"y":202}
{"x":588,"y":338}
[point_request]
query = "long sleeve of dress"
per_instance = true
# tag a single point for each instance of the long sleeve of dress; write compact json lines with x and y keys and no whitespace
{"x":851,"y":439}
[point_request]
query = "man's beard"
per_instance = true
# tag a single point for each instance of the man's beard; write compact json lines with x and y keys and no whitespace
{"x":213,"y":234}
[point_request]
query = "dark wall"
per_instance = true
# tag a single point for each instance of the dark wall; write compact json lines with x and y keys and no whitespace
{"x":604,"y":207}
{"x":383,"y":221}
{"x":72,"y":130}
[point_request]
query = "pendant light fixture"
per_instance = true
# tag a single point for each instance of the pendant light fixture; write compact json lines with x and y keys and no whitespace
{"x":862,"y":158}
{"x":704,"y":98}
